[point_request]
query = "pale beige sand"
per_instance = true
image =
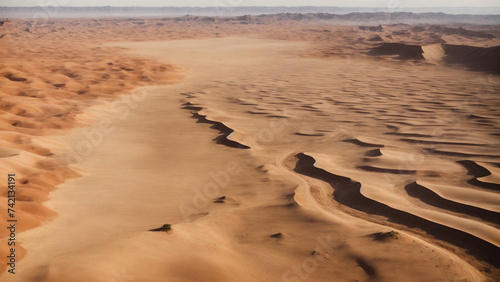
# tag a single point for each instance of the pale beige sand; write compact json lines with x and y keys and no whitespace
{"x":383,"y":124}
{"x":45,"y":85}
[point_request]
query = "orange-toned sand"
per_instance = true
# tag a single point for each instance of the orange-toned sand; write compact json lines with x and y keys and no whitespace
{"x":277,"y":151}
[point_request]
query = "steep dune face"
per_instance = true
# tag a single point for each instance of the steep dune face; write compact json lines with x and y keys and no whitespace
{"x":475,"y":58}
{"x":486,"y":59}
{"x":404,"y":51}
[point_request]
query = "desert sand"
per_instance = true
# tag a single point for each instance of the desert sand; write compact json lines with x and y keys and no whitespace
{"x":283,"y":151}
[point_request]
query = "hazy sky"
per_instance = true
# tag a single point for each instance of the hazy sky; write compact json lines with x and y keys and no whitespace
{"x":212,"y":3}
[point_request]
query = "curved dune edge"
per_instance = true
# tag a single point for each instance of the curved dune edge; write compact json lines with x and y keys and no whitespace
{"x":432,"y":198}
{"x":348,"y":193}
{"x":312,"y":195}
{"x":482,"y":198}
{"x":225,"y":138}
{"x":363,"y":143}
{"x":480,"y":173}
{"x":391,"y":160}
{"x":49,"y":98}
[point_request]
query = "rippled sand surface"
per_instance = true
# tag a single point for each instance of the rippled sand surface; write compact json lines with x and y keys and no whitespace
{"x":271,"y":159}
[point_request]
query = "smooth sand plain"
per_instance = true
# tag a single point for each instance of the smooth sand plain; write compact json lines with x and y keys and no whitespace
{"x":271,"y":162}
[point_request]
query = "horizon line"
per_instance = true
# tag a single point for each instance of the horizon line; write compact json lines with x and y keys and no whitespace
{"x":243,"y":6}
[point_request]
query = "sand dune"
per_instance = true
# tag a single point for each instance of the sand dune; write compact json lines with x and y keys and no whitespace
{"x":404,"y":51}
{"x":276,"y":151}
{"x":348,"y":193}
{"x":226,"y":131}
{"x":47,"y":97}
{"x":431,"y":197}
{"x":474,"y":58}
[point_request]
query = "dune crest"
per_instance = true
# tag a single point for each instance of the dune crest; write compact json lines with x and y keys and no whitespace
{"x":485,"y":59}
